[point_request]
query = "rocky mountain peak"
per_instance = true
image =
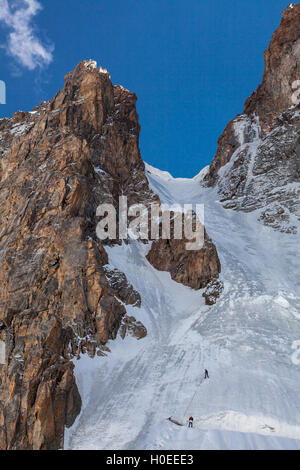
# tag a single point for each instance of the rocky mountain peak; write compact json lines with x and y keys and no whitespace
{"x":256,"y":167}
{"x":59,"y":297}
{"x":282,"y":68}
{"x":272,"y":97}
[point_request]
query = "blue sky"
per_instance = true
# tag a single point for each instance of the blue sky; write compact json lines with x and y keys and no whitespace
{"x":192,"y":63}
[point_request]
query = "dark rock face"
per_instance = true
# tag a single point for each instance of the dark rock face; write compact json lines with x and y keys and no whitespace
{"x":282,"y":68}
{"x":58,"y":299}
{"x":130,"y":326}
{"x":213,"y":291}
{"x":194,"y":269}
{"x":256,"y":166}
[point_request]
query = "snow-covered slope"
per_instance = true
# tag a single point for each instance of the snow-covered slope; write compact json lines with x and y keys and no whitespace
{"x":252,"y":399}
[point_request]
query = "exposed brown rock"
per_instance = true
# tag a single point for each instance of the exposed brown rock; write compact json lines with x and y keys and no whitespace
{"x":273,"y":96}
{"x":227,"y":145}
{"x":213,"y":291}
{"x":125,"y":291}
{"x":256,"y":167}
{"x":282,"y":68}
{"x":58,"y":299}
{"x":191,"y":268}
{"x":130,"y":326}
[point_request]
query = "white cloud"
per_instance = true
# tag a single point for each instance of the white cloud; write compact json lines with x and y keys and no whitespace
{"x":23,"y":44}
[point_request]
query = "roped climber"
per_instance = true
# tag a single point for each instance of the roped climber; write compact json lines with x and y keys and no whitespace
{"x":191,"y":421}
{"x":206,"y":376}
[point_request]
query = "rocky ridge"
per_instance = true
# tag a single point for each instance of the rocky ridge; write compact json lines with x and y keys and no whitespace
{"x":257,"y":164}
{"x":59,"y":297}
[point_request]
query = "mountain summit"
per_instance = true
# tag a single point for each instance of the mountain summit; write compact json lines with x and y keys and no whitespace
{"x":257,"y":164}
{"x":59,"y":297}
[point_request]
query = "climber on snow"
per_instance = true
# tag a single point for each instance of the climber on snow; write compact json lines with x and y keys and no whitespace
{"x":206,"y":376}
{"x":191,"y":420}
